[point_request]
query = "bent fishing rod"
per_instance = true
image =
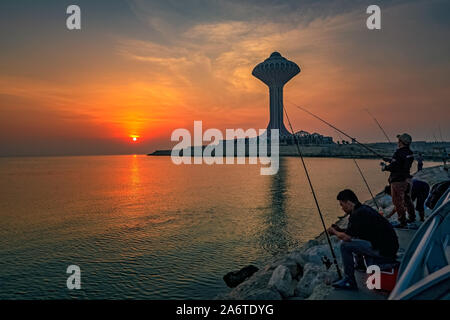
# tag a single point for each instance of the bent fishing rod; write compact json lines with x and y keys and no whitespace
{"x":314,"y":196}
{"x":338,"y":130}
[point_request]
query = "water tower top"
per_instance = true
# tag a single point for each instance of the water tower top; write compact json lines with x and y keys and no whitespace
{"x":276,"y":70}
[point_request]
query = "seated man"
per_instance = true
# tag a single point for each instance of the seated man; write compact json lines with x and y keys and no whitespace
{"x":368,"y":233}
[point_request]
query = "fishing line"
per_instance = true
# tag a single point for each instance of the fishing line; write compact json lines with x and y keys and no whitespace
{"x":379,"y":126}
{"x":345,"y":134}
{"x":365,"y":181}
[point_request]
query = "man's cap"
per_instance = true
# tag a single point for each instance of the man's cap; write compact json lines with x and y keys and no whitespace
{"x":405,"y":138}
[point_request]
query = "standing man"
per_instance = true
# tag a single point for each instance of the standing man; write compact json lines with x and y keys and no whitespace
{"x":400,"y":179}
{"x":368,"y":234}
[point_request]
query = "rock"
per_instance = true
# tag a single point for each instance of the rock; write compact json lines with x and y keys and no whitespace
{"x":264,"y":294}
{"x":315,"y":254}
{"x":305,"y":286}
{"x":389,"y":209}
{"x":310,"y":244}
{"x":320,"y":292}
{"x":234,"y":278}
{"x":385,"y":201}
{"x":314,"y":277}
{"x":297,"y":256}
{"x":257,"y":282}
{"x":294,"y":267}
{"x":325,"y":278}
{"x":281,"y":280}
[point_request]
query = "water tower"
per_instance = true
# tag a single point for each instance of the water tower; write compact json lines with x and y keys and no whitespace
{"x":275,"y":72}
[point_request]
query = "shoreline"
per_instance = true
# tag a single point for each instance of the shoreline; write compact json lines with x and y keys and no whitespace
{"x":300,"y":274}
{"x":430,"y":151}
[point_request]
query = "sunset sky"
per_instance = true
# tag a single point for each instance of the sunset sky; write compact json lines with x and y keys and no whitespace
{"x":144,"y":68}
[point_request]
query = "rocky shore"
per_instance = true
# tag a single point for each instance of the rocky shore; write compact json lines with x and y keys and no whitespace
{"x":301,"y":274}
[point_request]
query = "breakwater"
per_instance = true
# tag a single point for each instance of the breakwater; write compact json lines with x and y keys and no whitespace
{"x":301,"y":274}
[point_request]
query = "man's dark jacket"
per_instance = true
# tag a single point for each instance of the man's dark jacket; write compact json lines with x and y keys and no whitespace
{"x":400,"y":165}
{"x":367,"y":224}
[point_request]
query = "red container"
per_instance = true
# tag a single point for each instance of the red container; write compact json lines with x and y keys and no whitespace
{"x":388,"y":279}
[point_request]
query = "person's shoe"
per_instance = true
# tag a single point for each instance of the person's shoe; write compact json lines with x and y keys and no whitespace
{"x":401,"y":225}
{"x":412,"y":226}
{"x":410,"y":220}
{"x":345,"y":284}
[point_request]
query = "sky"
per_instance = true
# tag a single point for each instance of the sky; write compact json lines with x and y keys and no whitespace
{"x":145,"y":68}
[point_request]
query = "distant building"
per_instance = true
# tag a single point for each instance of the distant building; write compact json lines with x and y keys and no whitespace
{"x":305,"y":137}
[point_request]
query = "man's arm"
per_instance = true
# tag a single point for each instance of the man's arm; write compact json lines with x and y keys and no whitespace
{"x":341,"y":235}
{"x":394,"y":163}
{"x":337,"y":228}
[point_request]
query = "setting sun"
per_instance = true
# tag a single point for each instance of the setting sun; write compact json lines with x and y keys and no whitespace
{"x":134,"y":138}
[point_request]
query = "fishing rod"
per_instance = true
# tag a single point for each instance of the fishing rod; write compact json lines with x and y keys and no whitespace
{"x":345,"y":134}
{"x":367,"y":185}
{"x":315,"y":198}
{"x":379,"y":126}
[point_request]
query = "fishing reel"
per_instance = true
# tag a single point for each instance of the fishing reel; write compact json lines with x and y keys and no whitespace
{"x":383,"y":166}
{"x":327,"y":262}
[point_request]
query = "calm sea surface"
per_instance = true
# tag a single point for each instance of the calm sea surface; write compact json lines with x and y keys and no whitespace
{"x":142,"y":228}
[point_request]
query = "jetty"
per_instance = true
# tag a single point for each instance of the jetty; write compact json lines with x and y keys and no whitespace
{"x":301,"y":273}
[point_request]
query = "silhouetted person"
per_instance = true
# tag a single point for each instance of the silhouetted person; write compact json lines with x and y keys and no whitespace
{"x":400,"y":179}
{"x":368,"y":234}
{"x":419,"y":162}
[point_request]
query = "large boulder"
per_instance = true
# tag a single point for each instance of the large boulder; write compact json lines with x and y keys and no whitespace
{"x":316,"y":278}
{"x":282,"y":281}
{"x":299,"y":257}
{"x":234,"y":278}
{"x":304,"y":287}
{"x":256,"y":283}
{"x":289,"y":262}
